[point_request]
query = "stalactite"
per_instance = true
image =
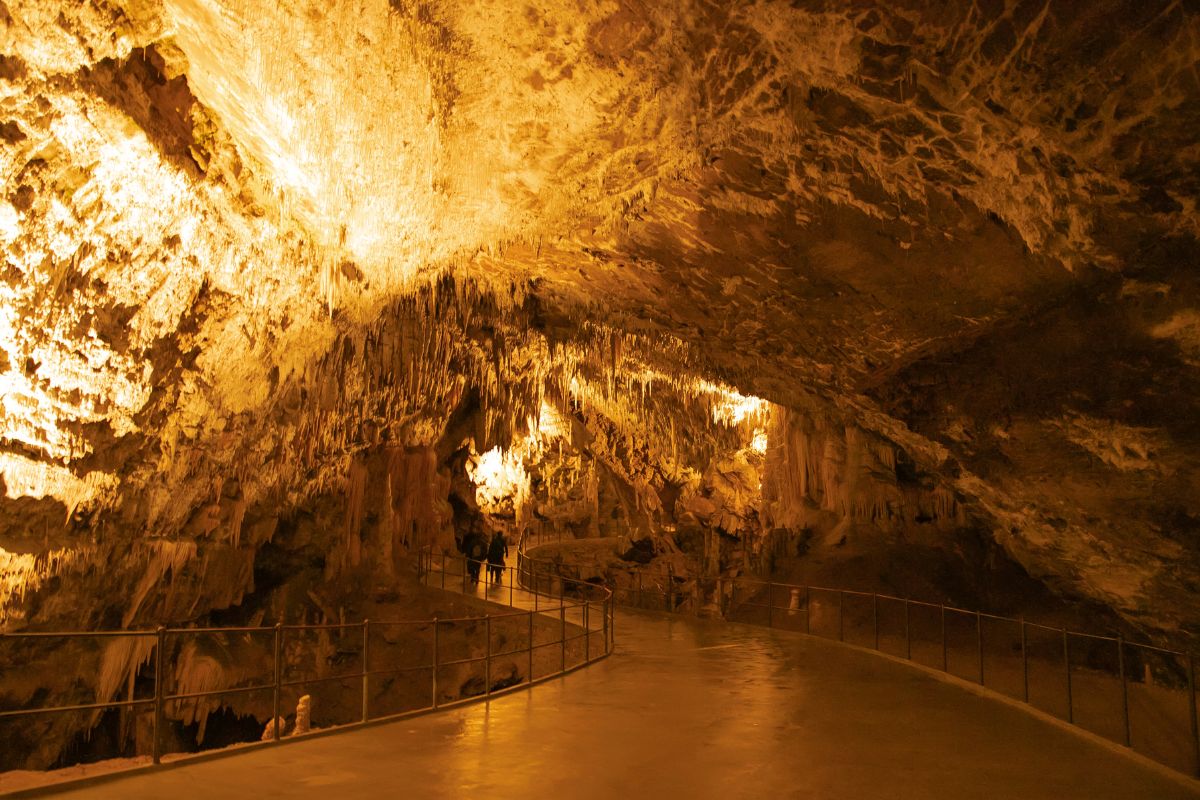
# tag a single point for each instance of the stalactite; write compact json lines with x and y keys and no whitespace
{"x":817,"y":464}
{"x":122,"y":659}
{"x":356,"y":482}
{"x":21,"y":574}
{"x":163,"y":557}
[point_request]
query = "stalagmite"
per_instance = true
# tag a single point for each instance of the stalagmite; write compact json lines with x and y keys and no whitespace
{"x":268,"y":733}
{"x":303,"y":722}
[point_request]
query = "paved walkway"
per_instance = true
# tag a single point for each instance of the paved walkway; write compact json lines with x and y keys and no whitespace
{"x":508,"y":592}
{"x":691,"y":708}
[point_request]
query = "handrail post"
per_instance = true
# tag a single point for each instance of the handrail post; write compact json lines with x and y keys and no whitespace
{"x":1124,"y":689}
{"x":945,"y":648}
{"x":770,"y":602}
{"x":1067,"y":669}
{"x":604,"y":624}
{"x":278,"y":668}
{"x":639,"y":594}
{"x":512,"y":577}
{"x":807,"y":616}
{"x":1025,"y":659}
{"x":979,"y":643}
{"x":531,"y":644}
{"x":366,"y":672}
{"x":587,"y":632}
{"x":562,"y":637}
{"x":612,"y":623}
{"x":720,"y":598}
{"x":669,"y":594}
{"x":1192,"y":708}
{"x":875,"y":617}
{"x":611,"y":633}
{"x":907,"y":633}
{"x":159,"y":666}
{"x":487,"y":658}
{"x":533,"y":587}
{"x":434,"y":670}
{"x":841,"y":616}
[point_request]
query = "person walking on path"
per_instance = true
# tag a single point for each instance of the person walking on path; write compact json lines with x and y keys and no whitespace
{"x":497,"y":552}
{"x":475,"y":547}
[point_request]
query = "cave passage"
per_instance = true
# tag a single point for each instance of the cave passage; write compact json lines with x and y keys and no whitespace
{"x":898,"y":299}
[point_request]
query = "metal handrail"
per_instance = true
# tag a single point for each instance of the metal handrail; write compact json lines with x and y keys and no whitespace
{"x":425,"y":562}
{"x":70,"y":634}
{"x":1066,"y":633}
{"x":726,"y":602}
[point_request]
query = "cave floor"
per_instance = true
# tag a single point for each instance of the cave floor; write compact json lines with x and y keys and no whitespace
{"x":691,"y":708}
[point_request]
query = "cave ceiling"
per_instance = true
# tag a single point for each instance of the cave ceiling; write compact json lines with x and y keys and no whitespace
{"x":824,"y":191}
{"x":851,"y":204}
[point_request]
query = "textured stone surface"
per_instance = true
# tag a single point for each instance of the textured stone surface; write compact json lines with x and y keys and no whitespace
{"x":914,"y":269}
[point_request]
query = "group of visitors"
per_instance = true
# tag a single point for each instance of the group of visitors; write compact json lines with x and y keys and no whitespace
{"x":478,"y":549}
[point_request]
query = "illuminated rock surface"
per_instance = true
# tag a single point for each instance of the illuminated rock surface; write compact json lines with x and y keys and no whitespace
{"x":286,"y":284}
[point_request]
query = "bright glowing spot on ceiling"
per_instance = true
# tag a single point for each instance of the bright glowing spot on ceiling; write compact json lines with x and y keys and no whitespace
{"x":500,"y":478}
{"x":759,"y":443}
{"x":10,"y":223}
{"x":354,"y":147}
{"x":25,"y":477}
{"x":731,"y":407}
{"x":501,"y":482}
{"x":551,"y":425}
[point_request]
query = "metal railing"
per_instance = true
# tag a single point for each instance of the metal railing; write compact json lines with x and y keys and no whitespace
{"x":577,"y":597}
{"x":1139,"y":695}
{"x":449,"y":645}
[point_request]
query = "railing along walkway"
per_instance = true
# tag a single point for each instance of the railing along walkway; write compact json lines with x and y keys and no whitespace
{"x":444,"y":662}
{"x":585,"y":607}
{"x":1138,"y":695}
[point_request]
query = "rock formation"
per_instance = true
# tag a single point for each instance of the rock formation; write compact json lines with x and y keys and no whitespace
{"x":303,"y":715}
{"x":292,"y":289}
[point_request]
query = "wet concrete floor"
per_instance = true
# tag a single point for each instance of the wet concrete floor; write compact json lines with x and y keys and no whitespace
{"x":691,"y":708}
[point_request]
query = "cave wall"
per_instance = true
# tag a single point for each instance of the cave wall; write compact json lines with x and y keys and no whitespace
{"x":1076,"y":427}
